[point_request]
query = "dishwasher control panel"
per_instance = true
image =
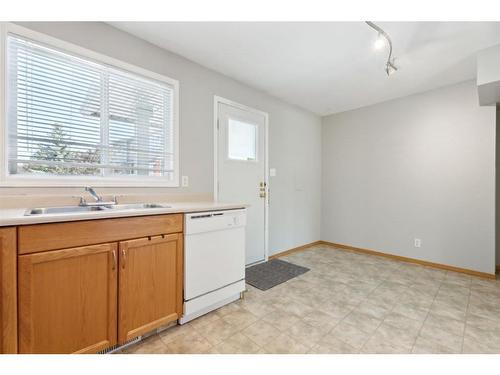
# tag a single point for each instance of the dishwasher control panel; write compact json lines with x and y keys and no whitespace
{"x":215,"y":220}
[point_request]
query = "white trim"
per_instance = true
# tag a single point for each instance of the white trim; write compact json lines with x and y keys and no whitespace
{"x":87,"y":54}
{"x":220,"y":100}
{"x":3,"y":99}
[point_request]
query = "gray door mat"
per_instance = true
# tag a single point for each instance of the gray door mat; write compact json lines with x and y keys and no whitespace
{"x":264,"y":276}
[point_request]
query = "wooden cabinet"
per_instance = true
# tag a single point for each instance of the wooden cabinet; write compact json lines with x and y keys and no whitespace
{"x":150,"y":284}
{"x":8,"y":289}
{"x":68,"y":300}
{"x":84,"y":286}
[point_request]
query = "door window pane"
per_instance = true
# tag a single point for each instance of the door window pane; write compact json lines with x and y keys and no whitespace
{"x":242,"y":140}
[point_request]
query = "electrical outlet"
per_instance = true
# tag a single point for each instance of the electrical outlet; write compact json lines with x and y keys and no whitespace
{"x":418,"y":242}
{"x":185,"y":181}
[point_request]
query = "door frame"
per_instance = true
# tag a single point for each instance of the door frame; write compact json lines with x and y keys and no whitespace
{"x":220,"y":100}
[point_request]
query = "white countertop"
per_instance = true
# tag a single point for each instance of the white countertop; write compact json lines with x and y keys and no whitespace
{"x":15,"y":216}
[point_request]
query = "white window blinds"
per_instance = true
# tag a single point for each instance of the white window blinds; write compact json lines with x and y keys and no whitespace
{"x":68,"y":116}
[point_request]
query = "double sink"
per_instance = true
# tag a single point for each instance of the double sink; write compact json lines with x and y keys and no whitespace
{"x":91,"y":208}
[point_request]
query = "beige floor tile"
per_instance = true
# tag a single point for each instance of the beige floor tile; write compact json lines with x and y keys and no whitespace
{"x":417,"y":298}
{"x":448,"y":311}
{"x":471,"y":346}
{"x":375,"y":346}
{"x":490,"y":337}
{"x":378,"y":312}
{"x":402,"y":339}
{"x":411,"y":310}
{"x":403,"y":322}
{"x":173,"y":332}
{"x":385,"y":301}
{"x":224,"y":310}
{"x":261,"y":332}
{"x":482,"y":322}
{"x":454,"y":289}
{"x":241,"y":318}
{"x":296,"y":308}
{"x":478,"y":298}
{"x":427,"y":346}
{"x":350,"y":334}
{"x":204,"y":319}
{"x":489,"y":311}
{"x":458,"y":279}
{"x":257,"y":307}
{"x":364,"y":322}
{"x":320,"y":318}
{"x":457,"y":301}
{"x":281,"y":319}
{"x":192,"y":343}
{"x":332,"y":345}
{"x":441,"y":337}
{"x":237,"y":344}
{"x":217,"y":331}
{"x":151,"y":345}
{"x":307,"y":334}
{"x":284,"y":344}
{"x":451,"y":325}
{"x":337,"y":309}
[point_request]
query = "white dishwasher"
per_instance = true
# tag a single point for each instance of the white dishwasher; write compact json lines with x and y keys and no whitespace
{"x":214,"y":260}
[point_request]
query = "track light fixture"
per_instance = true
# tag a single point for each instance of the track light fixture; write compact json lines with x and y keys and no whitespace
{"x":382,"y":40}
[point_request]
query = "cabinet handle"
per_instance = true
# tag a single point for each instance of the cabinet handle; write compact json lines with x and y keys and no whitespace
{"x":114,"y":259}
{"x":124,"y":258}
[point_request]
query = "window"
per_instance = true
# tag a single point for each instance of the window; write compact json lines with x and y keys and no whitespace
{"x":74,"y":118}
{"x":242,"y":140}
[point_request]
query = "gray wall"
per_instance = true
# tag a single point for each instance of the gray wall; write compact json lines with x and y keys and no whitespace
{"x":294,"y":134}
{"x":417,"y":167}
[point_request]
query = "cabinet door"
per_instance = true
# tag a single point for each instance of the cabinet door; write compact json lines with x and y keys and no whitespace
{"x":150,"y":284}
{"x":8,"y":291}
{"x":68,"y":300}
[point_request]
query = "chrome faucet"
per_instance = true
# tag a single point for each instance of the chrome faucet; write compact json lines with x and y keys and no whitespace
{"x":92,"y":192}
{"x":98,"y":199}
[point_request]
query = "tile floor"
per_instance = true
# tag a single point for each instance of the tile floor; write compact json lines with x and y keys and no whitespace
{"x":348,"y":303}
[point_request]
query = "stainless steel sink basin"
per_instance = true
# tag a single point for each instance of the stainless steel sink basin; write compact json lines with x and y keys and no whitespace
{"x":62,"y":210}
{"x":136,"y":206}
{"x":78,"y":209}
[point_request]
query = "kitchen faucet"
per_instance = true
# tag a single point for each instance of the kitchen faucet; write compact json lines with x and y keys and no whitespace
{"x":92,"y":192}
{"x":98,"y":199}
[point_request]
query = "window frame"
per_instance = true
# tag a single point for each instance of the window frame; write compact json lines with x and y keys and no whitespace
{"x":9,"y":180}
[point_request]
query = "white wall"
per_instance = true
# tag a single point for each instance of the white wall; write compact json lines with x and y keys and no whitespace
{"x":497,"y":193}
{"x":294,"y":134}
{"x":421,"y":166}
{"x":488,"y":75}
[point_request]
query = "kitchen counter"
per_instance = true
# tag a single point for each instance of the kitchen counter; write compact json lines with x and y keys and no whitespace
{"x":15,"y":216}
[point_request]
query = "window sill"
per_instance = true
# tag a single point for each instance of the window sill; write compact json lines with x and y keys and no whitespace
{"x":83,"y":181}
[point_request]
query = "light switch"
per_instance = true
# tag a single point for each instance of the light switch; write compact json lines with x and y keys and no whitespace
{"x":185,"y":181}
{"x":272,"y":172}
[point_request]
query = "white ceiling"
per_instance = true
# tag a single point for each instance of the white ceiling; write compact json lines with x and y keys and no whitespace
{"x":327,"y":67}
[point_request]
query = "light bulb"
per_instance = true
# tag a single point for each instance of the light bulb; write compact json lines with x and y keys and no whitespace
{"x":380,"y":42}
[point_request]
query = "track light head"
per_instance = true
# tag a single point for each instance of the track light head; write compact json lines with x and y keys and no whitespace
{"x":390,"y":68}
{"x":383,"y":40}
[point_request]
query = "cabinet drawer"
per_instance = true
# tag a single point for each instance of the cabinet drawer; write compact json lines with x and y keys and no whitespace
{"x":43,"y":237}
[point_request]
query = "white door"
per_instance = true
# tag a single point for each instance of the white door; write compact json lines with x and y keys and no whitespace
{"x":241,"y":167}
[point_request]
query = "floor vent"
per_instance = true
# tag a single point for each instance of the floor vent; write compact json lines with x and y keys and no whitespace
{"x":117,"y":347}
